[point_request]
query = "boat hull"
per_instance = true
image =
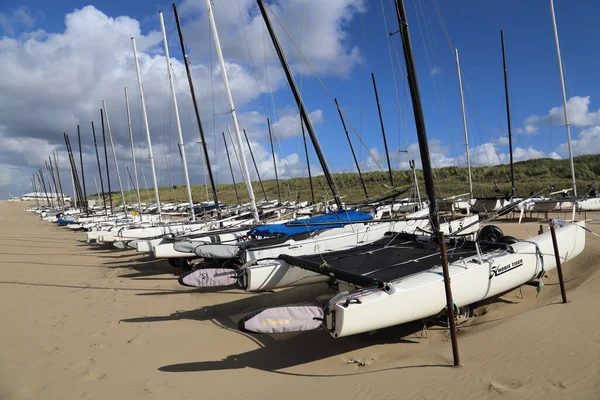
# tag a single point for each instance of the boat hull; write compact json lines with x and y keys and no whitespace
{"x":272,"y":274}
{"x":423,"y":295}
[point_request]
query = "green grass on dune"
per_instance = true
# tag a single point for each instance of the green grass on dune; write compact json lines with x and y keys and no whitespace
{"x":531,"y":175}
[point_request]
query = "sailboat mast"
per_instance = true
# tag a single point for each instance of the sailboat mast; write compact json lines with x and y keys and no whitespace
{"x":73,"y":166}
{"x":84,"y":205}
{"x":97,"y":190}
{"x":135,"y":174}
{"x":564,"y":96}
{"x":188,"y":69}
{"x":62,"y":193}
{"x":56,"y":189}
{"x":112,"y":145}
{"x":177,"y":120}
{"x":387,"y":153}
{"x":255,"y":166}
{"x":43,"y":184}
{"x":362,"y":181}
{"x":147,"y":129}
{"x":464,"y":117}
{"x":300,"y":104}
{"x":99,"y":168}
{"x":231,"y":170}
{"x":106,"y":161}
{"x":510,"y":146}
{"x":413,"y":85}
{"x":274,"y":159}
{"x":310,"y":182}
{"x":236,"y":127}
{"x":74,"y":198}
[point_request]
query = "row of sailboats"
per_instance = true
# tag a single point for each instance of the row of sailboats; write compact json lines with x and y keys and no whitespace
{"x":387,"y":271}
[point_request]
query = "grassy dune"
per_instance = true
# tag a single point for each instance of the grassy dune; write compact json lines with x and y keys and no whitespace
{"x":532,"y":175}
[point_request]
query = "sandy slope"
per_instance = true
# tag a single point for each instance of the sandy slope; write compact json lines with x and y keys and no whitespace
{"x":81,"y":322}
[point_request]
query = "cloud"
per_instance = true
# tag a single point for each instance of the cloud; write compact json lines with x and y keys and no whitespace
{"x":435,"y":71}
{"x":580,"y":116}
{"x":587,"y":142}
{"x":21,"y":17}
{"x":63,"y":76}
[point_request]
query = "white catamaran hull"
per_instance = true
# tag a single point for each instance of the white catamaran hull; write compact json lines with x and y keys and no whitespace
{"x":590,"y":204}
{"x":272,"y":274}
{"x":320,"y":241}
{"x":422,"y":295}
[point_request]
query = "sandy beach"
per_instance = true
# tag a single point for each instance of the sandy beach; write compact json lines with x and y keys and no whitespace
{"x":94,"y":323}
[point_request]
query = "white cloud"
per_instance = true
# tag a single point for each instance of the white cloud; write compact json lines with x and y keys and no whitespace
{"x":578,"y":108}
{"x":588,"y":142}
{"x":18,"y":17}
{"x":435,"y":71}
{"x":63,"y":76}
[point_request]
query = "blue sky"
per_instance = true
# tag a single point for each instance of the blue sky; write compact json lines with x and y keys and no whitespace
{"x":361,"y":48}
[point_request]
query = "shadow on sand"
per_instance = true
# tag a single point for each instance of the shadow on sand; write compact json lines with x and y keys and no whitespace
{"x":282,"y":351}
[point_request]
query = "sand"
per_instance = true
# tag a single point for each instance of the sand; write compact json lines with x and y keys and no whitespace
{"x":93,"y":323}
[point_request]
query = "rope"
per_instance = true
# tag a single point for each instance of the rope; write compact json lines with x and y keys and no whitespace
{"x":322,"y":84}
{"x":540,"y":256}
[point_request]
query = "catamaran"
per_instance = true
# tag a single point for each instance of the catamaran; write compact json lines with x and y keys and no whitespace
{"x":398,"y":278}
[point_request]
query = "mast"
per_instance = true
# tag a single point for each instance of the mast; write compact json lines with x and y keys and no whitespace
{"x":99,"y":168}
{"x":62,"y":194}
{"x":106,"y":161}
{"x":255,"y":167}
{"x":177,"y":121}
{"x":512,"y":168}
{"x":146,"y":128}
{"x":43,"y":184}
{"x":564,"y":96}
{"x":97,"y":190}
{"x":231,"y":169}
{"x":137,"y":184}
{"x":74,"y":198}
{"x":85,"y":204}
{"x":112,"y":145}
{"x":236,"y":127}
{"x":310,"y":182}
{"x":37,"y":202}
{"x":274,"y":160}
{"x":188,"y":69}
{"x":52,"y":189}
{"x":464,"y":117}
{"x":51,"y":173}
{"x":73,"y":166}
{"x":362,"y":181}
{"x":387,"y":153}
{"x":300,"y":103}
{"x":413,"y":84}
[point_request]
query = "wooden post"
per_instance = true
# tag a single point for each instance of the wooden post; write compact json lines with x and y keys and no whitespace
{"x":561,"y":279}
{"x":449,"y":301}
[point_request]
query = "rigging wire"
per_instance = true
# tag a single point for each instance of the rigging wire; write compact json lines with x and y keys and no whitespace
{"x":321,"y":82}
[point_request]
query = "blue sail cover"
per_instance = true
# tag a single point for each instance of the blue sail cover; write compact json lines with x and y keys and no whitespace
{"x":304,"y":225}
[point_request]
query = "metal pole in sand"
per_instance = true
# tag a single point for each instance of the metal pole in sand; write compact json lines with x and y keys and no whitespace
{"x":561,"y":280}
{"x":449,"y":301}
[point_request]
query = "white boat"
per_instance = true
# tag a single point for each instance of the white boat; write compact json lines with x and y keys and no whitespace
{"x":412,"y":288}
{"x":268,"y":274}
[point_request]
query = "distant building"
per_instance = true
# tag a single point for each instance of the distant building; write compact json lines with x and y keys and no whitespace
{"x":42,"y":196}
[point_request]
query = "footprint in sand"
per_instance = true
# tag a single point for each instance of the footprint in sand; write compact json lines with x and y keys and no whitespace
{"x":138,"y":340}
{"x":87,"y":361}
{"x":100,"y":345}
{"x":557,"y":384}
{"x":503,"y":384}
{"x":93,"y":375}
